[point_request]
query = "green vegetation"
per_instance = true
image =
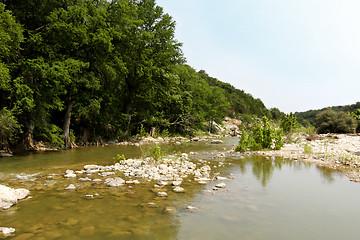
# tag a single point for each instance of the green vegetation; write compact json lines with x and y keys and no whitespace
{"x":329,"y":121}
{"x":73,"y":70}
{"x":261,"y":135}
{"x":309,"y":117}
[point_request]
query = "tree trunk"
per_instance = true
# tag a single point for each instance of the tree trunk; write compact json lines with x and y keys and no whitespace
{"x":128,"y":113}
{"x":66,"y":127}
{"x":28,"y":142}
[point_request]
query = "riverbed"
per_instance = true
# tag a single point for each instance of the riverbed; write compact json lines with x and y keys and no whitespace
{"x":264,"y":198}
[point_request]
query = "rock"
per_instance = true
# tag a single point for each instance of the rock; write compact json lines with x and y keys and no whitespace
{"x":10,"y":196}
{"x":178,"y":189}
{"x":191,"y":208}
{"x":91,"y":167}
{"x":221,"y":178}
{"x":85,"y":179}
{"x":176,"y":183}
{"x":70,"y":187}
{"x":24,"y":236}
{"x":162,"y":194}
{"x":114,"y":182}
{"x":216,"y":141}
{"x":69,"y":222}
{"x":170,"y":209}
{"x":162,"y":183}
{"x":52,"y":235}
{"x":220,"y":185}
{"x":87,"y":231}
{"x":6,"y":231}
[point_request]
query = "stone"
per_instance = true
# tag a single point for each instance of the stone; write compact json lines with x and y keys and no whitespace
{"x":52,"y":235}
{"x":87,"y":231}
{"x":216,"y":141}
{"x":178,"y":189}
{"x":91,"y":167}
{"x":6,"y":231}
{"x":162,"y":183}
{"x":69,"y":222}
{"x":162,"y":194}
{"x":70,"y":174}
{"x":176,"y":183}
{"x":221,"y":178}
{"x":10,"y":196}
{"x":114,"y":182}
{"x":85,"y":179}
{"x":170,"y":209}
{"x":24,"y":236}
{"x":220,"y":185}
{"x":191,"y":208}
{"x":70,"y":187}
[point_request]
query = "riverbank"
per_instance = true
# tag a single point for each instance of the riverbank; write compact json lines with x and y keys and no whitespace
{"x":336,"y":151}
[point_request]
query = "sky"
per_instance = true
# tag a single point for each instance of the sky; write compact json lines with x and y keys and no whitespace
{"x":295,"y":55}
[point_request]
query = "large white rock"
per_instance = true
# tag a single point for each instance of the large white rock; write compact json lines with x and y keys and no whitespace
{"x":114,"y":182}
{"x":6,"y":231}
{"x":10,"y":196}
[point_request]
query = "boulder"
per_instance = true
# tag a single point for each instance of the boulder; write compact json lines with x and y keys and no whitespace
{"x":10,"y":196}
{"x":217,"y":141}
{"x":6,"y":231}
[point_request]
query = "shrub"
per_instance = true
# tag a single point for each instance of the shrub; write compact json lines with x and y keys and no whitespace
{"x":261,"y":136}
{"x":329,"y":121}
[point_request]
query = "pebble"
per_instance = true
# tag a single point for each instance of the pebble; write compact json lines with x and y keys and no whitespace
{"x":220,"y":185}
{"x":178,"y":189}
{"x":70,"y":187}
{"x":162,"y":194}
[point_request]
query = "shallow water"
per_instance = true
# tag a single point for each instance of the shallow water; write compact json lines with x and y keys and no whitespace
{"x":267,"y":199}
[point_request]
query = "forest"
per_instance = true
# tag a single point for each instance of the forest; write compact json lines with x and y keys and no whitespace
{"x":76,"y":71}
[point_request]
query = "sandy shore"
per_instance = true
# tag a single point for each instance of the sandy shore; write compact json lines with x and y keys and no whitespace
{"x":336,"y":151}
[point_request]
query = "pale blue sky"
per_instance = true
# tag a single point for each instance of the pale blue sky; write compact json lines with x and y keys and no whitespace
{"x":292,"y":54}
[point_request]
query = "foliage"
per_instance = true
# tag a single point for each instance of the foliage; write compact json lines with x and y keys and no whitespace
{"x":329,"y":121}
{"x":288,"y":123}
{"x":260,"y":136}
{"x":9,"y":127}
{"x":308,"y":149}
{"x":105,"y":69}
{"x":157,"y":153}
{"x":309,"y":117}
{"x":356,"y":116}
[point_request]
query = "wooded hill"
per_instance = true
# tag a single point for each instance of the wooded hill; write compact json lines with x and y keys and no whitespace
{"x":309,"y":117}
{"x":83,"y":70}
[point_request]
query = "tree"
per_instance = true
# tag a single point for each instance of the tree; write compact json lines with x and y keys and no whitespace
{"x":329,"y":121}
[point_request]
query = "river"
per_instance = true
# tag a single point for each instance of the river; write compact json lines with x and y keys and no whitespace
{"x":265,"y":198}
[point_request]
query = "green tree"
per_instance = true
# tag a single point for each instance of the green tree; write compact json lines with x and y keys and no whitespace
{"x":329,"y":121}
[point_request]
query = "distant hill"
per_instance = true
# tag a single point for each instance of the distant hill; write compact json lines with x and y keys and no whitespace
{"x":309,"y":116}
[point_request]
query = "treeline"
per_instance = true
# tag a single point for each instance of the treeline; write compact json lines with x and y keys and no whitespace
{"x":336,"y":119}
{"x":83,"y":70}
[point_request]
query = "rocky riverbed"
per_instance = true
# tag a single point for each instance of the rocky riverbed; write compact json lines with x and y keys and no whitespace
{"x":335,"y":151}
{"x":162,"y":181}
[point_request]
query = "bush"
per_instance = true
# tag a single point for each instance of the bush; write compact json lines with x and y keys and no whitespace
{"x":260,"y":136}
{"x":329,"y":121}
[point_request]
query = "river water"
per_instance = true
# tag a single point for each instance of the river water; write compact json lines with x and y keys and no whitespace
{"x":264,"y":199}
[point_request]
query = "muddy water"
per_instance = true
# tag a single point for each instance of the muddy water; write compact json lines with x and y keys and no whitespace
{"x":264,"y":199}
